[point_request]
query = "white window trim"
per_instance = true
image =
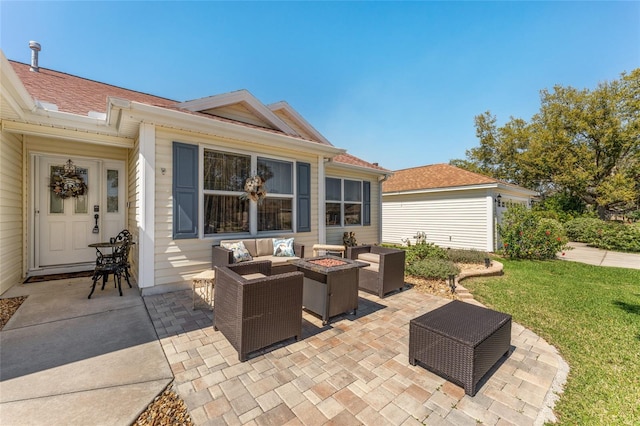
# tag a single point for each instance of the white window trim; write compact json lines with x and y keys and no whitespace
{"x":253,"y":208}
{"x":342,"y":202}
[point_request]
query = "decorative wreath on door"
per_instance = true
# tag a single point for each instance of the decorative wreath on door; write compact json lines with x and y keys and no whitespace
{"x":68,"y":183}
{"x":254,"y":189}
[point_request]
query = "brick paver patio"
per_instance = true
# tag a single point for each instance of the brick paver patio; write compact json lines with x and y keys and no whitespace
{"x":353,"y":371}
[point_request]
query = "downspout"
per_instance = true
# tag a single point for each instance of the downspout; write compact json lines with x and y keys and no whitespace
{"x":322,"y":225}
{"x":381,"y":180}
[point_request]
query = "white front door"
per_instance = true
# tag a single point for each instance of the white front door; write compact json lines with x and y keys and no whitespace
{"x":65,"y":221}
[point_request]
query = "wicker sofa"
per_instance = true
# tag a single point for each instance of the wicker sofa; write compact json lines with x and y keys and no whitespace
{"x":261,"y":249}
{"x":385,"y":272}
{"x":254,"y":308}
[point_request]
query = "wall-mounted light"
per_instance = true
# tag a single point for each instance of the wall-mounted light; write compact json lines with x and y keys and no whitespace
{"x":498,"y":198}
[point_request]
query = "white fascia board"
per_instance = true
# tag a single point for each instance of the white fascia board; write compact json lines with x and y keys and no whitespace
{"x":66,"y":134}
{"x":338,"y":165}
{"x":299,"y":119}
{"x":514,"y":189}
{"x":19,"y":97}
{"x":445,"y":189}
{"x":240,"y":96}
{"x":196,"y":123}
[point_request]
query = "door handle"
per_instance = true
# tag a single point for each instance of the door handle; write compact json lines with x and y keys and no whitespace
{"x":96,"y":230}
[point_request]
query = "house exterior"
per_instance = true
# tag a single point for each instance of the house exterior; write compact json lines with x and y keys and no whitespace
{"x":452,"y":207}
{"x":171,"y":172}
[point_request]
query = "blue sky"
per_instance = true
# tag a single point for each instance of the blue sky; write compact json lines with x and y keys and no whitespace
{"x":398,"y":83}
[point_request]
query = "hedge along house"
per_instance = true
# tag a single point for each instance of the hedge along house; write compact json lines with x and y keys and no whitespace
{"x":451,"y":207}
{"x":173,"y":173}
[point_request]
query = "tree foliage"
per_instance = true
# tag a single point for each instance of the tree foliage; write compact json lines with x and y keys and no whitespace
{"x":585,"y":143}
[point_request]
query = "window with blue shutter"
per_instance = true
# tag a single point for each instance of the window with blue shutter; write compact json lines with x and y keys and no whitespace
{"x":185,"y":191}
{"x":303,"y":172}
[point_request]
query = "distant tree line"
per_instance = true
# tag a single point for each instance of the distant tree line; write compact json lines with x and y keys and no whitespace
{"x":582,"y":147}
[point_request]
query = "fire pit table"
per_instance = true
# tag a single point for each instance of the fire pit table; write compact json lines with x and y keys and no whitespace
{"x":330,"y":285}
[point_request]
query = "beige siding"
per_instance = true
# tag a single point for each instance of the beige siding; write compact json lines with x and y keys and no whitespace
{"x":12,"y":236}
{"x":364,"y":234}
{"x":456,"y":220}
{"x":176,"y":261}
{"x":239,"y":112}
{"x":294,"y":125}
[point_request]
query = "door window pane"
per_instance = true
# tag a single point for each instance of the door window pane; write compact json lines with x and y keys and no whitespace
{"x":112,"y":191}
{"x":225,"y":214}
{"x":81,"y":201}
{"x":275,"y":214}
{"x":56,"y":203}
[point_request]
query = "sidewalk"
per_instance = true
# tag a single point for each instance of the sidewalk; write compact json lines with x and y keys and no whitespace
{"x":65,"y":359}
{"x":594,"y":256}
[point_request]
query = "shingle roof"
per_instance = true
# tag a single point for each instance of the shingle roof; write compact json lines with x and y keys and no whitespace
{"x":433,"y":176}
{"x":77,"y":95}
{"x":355,"y":161}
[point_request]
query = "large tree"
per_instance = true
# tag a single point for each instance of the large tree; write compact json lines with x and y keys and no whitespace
{"x":582,"y":142}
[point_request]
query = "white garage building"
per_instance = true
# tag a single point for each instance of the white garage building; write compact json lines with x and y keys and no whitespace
{"x":451,"y":206}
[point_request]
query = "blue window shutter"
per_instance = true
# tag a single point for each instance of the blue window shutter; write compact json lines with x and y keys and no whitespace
{"x":366,"y":203}
{"x":185,"y":191}
{"x":304,"y":197}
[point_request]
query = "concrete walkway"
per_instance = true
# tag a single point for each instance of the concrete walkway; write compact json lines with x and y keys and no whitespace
{"x":593,"y":256}
{"x":67,"y":360}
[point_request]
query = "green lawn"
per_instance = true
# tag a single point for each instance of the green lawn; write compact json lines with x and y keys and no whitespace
{"x":592,"y":315}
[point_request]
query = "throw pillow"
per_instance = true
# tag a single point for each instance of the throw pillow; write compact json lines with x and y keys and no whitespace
{"x":240,"y":252}
{"x":283,"y":247}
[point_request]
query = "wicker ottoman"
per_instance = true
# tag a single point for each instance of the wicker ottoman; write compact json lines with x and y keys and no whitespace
{"x":460,"y":342}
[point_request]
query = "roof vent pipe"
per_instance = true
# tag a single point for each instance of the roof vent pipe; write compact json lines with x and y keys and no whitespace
{"x":35,"y":48}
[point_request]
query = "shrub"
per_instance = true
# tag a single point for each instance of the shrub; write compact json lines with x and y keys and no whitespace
{"x":466,"y":256}
{"x":524,"y":235}
{"x":618,"y":236}
{"x":432,"y":268}
{"x":424,"y":251}
{"x":584,"y":229}
{"x":607,"y":235}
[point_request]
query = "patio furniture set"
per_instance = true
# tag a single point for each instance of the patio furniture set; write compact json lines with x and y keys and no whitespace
{"x":259,"y":301}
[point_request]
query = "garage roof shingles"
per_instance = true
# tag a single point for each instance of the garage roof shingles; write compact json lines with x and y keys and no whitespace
{"x":433,"y":176}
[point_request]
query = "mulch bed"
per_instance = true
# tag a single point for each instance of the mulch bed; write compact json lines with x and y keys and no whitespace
{"x":8,"y":307}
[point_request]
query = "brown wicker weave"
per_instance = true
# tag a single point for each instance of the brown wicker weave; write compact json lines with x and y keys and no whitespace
{"x":390,"y":273}
{"x":329,"y":291}
{"x":256,"y":313}
{"x":460,"y":342}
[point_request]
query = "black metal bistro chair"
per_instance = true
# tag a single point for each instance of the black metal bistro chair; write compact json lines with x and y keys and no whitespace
{"x":116,"y":263}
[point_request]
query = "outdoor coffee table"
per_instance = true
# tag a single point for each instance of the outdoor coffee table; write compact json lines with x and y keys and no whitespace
{"x":330,"y":285}
{"x":460,"y":342}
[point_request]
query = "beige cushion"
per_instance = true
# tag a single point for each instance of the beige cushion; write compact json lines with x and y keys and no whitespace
{"x":375,"y":267}
{"x":253,"y":276}
{"x":277,"y":260}
{"x":264,"y":246}
{"x":369,"y":257}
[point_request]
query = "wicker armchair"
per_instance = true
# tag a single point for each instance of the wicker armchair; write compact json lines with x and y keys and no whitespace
{"x":385,"y":272}
{"x":254,"y":309}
